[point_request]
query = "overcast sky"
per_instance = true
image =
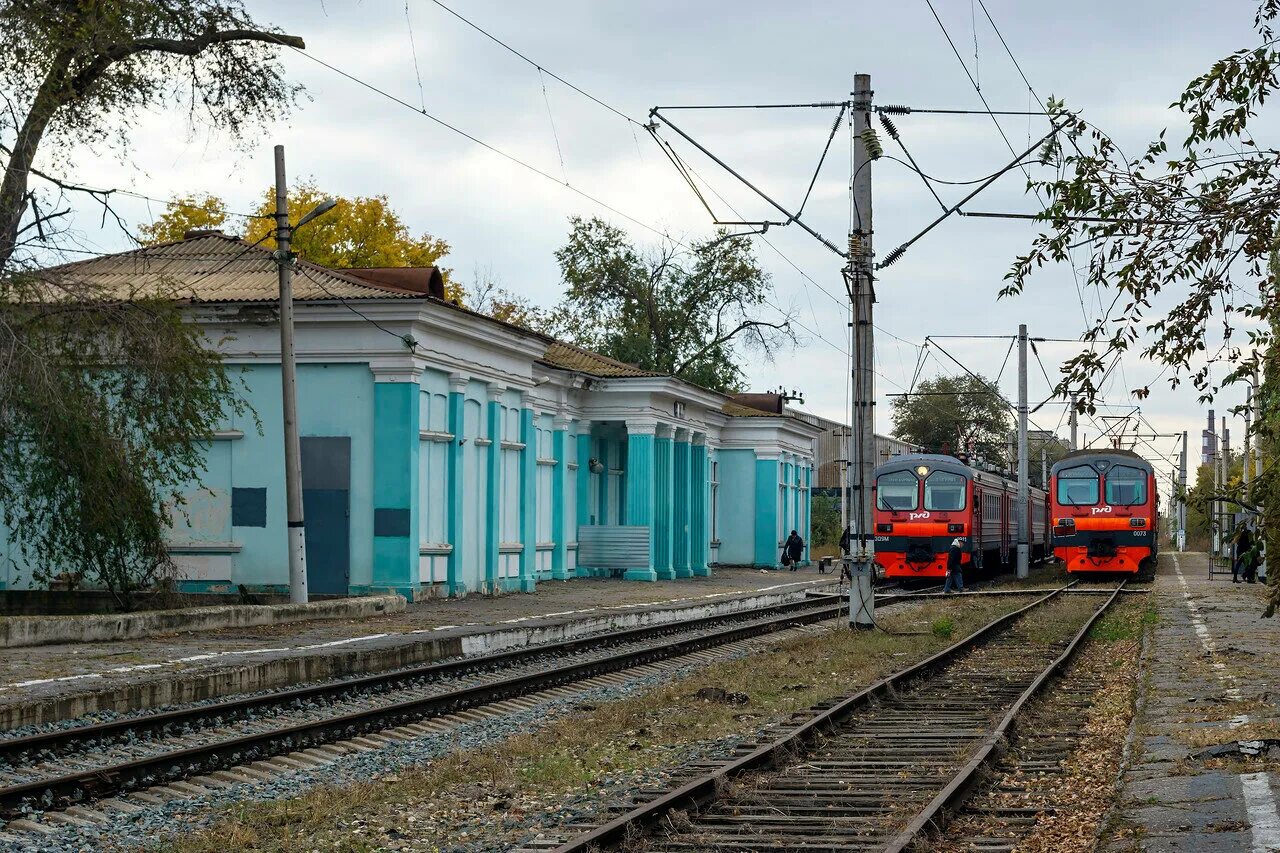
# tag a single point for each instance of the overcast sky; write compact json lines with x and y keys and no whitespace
{"x":1121,"y":63}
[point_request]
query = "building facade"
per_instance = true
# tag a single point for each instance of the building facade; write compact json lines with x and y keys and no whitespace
{"x":446,"y":453}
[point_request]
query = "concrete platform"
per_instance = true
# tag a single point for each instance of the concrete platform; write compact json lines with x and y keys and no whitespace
{"x":54,"y":682}
{"x":1211,"y":680}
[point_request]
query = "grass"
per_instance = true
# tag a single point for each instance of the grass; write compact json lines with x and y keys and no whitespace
{"x":575,"y":755}
{"x":1121,"y":624}
{"x":943,"y":627}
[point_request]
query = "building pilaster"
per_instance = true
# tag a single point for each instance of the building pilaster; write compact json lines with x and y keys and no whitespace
{"x":456,"y":483}
{"x":662,"y":503}
{"x":396,"y":418}
{"x":640,"y":488}
{"x":493,"y":485}
{"x":584,"y":489}
{"x":528,"y":496}
{"x":681,"y":512}
{"x":700,"y":525}
{"x":559,"y":527}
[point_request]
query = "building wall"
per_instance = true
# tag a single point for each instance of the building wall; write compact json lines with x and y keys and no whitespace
{"x":469,"y":464}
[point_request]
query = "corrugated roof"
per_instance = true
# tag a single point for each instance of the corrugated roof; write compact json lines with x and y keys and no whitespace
{"x":213,"y":267}
{"x":570,"y":357}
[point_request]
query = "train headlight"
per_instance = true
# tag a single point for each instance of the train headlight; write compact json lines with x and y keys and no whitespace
{"x":955,"y":528}
{"x":1137,"y":522}
{"x":923,"y":470}
{"x":884,"y":528}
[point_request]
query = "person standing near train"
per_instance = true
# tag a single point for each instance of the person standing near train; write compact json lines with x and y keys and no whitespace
{"x":954,"y":576}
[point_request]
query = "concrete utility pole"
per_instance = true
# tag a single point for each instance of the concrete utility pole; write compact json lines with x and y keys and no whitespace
{"x":1074,"y":424}
{"x":1182,"y":487}
{"x":1024,"y":491}
{"x":1247,"y":466}
{"x":297,"y":542}
{"x":1044,"y":466}
{"x":1257,"y":457}
{"x":862,"y":444}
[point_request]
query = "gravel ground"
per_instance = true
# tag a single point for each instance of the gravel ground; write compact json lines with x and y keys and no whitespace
{"x":149,"y":828}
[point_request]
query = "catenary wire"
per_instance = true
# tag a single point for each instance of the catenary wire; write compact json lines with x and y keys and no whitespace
{"x":536,"y":65}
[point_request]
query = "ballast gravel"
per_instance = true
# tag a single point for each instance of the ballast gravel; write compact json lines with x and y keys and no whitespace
{"x":150,"y":827}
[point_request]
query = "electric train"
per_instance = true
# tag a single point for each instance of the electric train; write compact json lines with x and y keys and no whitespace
{"x":1105,"y":515}
{"x":923,"y":501}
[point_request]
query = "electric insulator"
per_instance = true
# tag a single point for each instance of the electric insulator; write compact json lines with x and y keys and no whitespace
{"x":872,"y":143}
{"x":895,"y":109}
{"x":888,"y":125}
{"x":892,"y":256}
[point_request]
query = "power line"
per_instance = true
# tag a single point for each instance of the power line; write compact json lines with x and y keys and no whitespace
{"x":536,"y":65}
{"x":475,"y":139}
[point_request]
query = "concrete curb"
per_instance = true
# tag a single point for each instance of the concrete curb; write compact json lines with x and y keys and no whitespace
{"x":392,"y":652}
{"x":18,"y":631}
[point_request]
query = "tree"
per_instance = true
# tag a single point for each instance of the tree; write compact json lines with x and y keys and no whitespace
{"x":824,"y":522}
{"x":951,"y":414}
{"x":670,"y":309}
{"x":105,"y":395}
{"x":1195,"y":225}
{"x":487,"y":296}
{"x":363,"y":231}
{"x":183,"y":214}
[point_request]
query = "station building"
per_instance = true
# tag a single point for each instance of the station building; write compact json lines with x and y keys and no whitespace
{"x":445,"y":452}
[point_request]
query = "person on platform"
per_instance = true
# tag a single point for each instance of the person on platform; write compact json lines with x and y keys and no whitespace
{"x":792,"y":551}
{"x":954,"y":576}
{"x":1243,"y":557}
{"x":845,"y":539}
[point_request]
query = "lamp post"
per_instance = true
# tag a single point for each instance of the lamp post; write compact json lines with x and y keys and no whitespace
{"x":284,"y":257}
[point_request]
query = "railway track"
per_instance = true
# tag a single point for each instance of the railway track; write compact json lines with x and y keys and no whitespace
{"x":69,"y":768}
{"x":879,"y":770}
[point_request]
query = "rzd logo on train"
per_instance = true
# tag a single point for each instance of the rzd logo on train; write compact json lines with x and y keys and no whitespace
{"x":917,"y":515}
{"x":1100,"y":509}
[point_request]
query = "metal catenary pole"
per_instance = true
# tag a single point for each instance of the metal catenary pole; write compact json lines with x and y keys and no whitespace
{"x":1024,"y":493}
{"x":1182,"y":489}
{"x":862,"y":444}
{"x":1074,"y":425}
{"x":288,"y":381}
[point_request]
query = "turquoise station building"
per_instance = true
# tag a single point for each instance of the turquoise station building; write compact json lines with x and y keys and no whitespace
{"x":447,"y":453}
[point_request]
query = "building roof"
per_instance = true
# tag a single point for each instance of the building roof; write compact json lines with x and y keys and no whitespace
{"x":569,"y":357}
{"x":213,"y":267}
{"x":210,"y":266}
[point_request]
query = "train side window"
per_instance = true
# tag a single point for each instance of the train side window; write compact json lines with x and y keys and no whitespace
{"x":944,"y":491}
{"x":1126,"y":486}
{"x":1078,"y":486}
{"x":897,"y":490}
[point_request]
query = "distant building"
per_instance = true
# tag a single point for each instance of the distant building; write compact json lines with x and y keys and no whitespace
{"x":832,"y":444}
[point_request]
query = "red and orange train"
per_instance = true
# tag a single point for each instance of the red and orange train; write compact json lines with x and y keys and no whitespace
{"x":923,"y":501}
{"x":1105,"y":517}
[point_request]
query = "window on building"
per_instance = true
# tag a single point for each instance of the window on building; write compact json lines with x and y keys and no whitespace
{"x":1126,"y":486}
{"x":897,"y":490}
{"x":944,"y":491}
{"x":1078,"y":486}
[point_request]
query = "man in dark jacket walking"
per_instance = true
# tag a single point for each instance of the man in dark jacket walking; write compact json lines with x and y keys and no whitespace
{"x":1243,"y":555}
{"x":954,"y":576}
{"x":793,"y":550}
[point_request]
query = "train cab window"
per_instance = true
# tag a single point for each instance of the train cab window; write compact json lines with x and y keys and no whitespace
{"x":1078,"y":486}
{"x":1126,"y":486}
{"x":897,"y":490}
{"x":944,"y":491}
